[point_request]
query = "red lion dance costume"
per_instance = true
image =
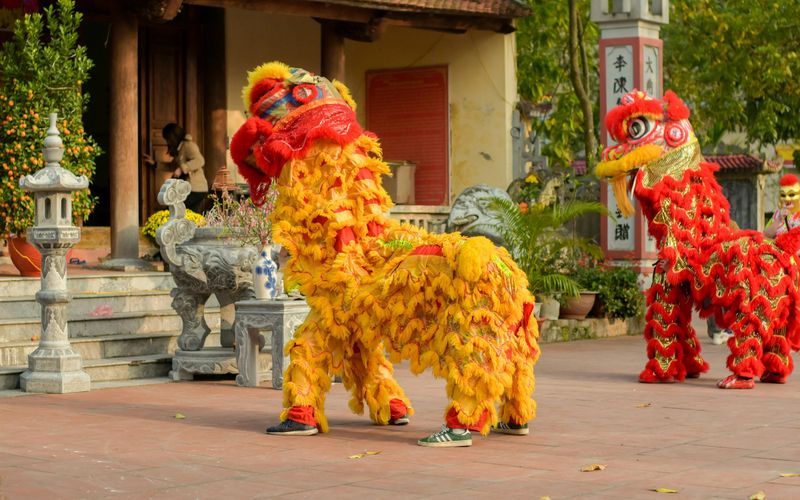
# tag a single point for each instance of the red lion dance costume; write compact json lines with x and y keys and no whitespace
{"x":748,"y":282}
{"x":457,"y":305}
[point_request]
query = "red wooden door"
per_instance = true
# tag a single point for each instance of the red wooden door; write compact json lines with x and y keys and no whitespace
{"x":408,"y":110}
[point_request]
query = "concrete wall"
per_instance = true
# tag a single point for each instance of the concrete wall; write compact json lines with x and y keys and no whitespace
{"x":481,"y":78}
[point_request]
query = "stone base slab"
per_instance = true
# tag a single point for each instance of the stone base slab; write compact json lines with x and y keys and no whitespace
{"x":213,"y":361}
{"x":564,"y":330}
{"x":55,"y":382}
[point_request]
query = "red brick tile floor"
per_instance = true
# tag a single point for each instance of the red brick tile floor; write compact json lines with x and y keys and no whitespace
{"x":126,"y":442}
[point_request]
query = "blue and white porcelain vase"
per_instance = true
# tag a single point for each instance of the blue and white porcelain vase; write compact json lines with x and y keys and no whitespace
{"x":265,"y":275}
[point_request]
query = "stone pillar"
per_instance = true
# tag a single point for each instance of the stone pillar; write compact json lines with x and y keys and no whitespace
{"x":630,"y":57}
{"x":54,"y":367}
{"x":124,"y":137}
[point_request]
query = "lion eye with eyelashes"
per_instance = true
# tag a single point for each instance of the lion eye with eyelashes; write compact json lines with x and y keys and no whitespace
{"x":639,"y":127}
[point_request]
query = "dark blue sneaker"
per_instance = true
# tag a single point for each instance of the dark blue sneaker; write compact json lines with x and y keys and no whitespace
{"x":292,"y":428}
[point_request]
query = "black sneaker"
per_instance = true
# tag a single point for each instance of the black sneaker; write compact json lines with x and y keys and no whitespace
{"x":511,"y":428}
{"x":399,"y":420}
{"x":292,"y":428}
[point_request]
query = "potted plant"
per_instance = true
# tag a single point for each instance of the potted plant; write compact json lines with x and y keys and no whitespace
{"x":250,"y":225}
{"x":42,"y":68}
{"x":541,"y":246}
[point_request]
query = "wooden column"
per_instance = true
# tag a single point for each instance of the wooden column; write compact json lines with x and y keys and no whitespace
{"x":332,"y":51}
{"x":124,"y":137}
{"x":216,"y":120}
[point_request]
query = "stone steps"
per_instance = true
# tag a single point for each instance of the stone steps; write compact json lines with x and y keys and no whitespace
{"x":122,"y":324}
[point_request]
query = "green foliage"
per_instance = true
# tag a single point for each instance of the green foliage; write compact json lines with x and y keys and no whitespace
{"x":543,"y":75}
{"x":617,"y":287}
{"x":42,"y":70}
{"x":541,"y":247}
{"x":737,"y":64}
{"x":620,"y":294}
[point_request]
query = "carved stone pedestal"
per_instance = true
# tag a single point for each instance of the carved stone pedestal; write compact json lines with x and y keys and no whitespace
{"x":207,"y":361}
{"x":281,"y":317}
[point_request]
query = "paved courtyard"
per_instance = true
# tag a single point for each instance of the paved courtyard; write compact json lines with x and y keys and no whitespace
{"x":126,"y":442}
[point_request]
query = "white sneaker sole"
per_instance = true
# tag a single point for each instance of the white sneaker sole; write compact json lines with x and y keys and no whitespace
{"x":305,"y":432}
{"x":447,"y":444}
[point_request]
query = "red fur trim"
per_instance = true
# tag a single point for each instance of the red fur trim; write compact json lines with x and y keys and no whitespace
{"x":789,"y":241}
{"x":789,"y":180}
{"x":675,"y":108}
{"x":617,"y":118}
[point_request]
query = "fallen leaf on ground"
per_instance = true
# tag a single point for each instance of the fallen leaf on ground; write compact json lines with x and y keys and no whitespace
{"x":790,"y":474}
{"x":592,"y":467}
{"x":758,"y":496}
{"x":545,"y":498}
{"x":362,"y":455}
{"x":665,"y":490}
{"x":644,"y":405}
{"x":180,"y":415}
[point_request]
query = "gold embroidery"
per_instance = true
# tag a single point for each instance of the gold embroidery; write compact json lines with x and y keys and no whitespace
{"x":672,"y":164}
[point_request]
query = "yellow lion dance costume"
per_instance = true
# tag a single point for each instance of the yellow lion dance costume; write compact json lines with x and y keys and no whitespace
{"x":457,"y":305}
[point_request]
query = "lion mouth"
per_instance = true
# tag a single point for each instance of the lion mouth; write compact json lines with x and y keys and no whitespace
{"x":622,"y":174}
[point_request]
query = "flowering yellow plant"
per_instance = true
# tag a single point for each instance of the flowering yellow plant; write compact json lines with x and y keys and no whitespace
{"x":159,"y":218}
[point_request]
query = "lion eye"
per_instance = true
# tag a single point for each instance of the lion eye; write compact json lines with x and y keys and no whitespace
{"x":638,"y":128}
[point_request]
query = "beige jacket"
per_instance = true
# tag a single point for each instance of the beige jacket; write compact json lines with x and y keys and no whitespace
{"x":190,"y":161}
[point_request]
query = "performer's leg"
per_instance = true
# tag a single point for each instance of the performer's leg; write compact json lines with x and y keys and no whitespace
{"x":661,"y":331}
{"x":368,"y":376}
{"x":517,"y":407}
{"x":473,"y":393}
{"x":777,"y":358}
{"x":306,"y":381}
{"x":746,"y":352}
{"x":693,"y":362}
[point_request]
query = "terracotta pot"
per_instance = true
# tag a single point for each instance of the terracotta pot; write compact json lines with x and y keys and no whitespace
{"x":578,"y":307}
{"x":25,"y":257}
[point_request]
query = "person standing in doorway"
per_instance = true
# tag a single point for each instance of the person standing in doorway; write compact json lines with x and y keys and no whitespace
{"x":183,"y":160}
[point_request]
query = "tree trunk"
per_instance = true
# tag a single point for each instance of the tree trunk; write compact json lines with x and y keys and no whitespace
{"x":580,"y":83}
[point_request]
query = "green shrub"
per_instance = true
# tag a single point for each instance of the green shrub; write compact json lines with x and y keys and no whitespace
{"x":620,"y":294}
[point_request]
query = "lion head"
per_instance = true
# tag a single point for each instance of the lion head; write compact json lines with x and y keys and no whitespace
{"x":289,"y":109}
{"x":645,"y":129}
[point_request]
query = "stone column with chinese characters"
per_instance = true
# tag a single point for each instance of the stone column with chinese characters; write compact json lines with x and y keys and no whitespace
{"x":630,"y":58}
{"x":54,"y":367}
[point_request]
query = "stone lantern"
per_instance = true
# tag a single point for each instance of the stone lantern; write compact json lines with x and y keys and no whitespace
{"x":54,"y":367}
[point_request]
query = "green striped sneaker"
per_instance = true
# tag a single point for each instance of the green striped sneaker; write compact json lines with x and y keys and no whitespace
{"x":447,"y":438}
{"x":511,"y":428}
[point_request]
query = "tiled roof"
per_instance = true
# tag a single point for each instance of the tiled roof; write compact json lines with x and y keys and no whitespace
{"x":743,"y":163}
{"x":489,"y":8}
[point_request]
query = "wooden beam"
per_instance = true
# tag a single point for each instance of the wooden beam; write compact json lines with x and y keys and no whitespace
{"x":294,"y":8}
{"x":421,"y":20}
